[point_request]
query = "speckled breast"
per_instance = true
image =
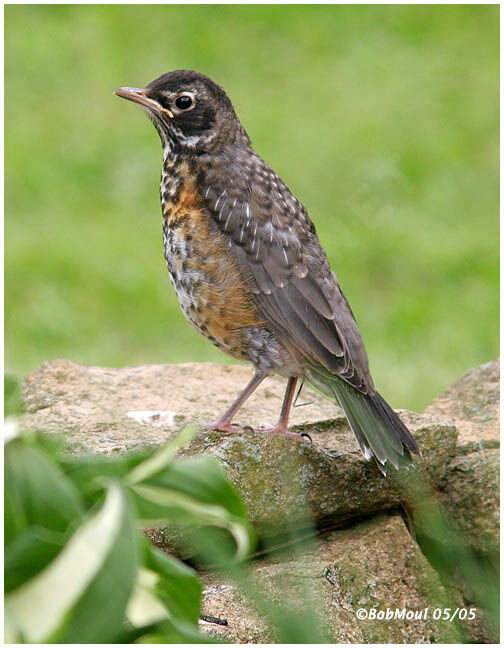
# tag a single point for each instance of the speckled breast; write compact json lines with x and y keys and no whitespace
{"x":205,"y":277}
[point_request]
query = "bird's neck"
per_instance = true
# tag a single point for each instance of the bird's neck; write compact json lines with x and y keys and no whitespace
{"x":185,"y":172}
{"x":173,"y":177}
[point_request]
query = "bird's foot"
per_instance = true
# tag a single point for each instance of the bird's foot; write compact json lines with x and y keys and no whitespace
{"x":226,"y":426}
{"x":278,"y":429}
{"x":222,"y":426}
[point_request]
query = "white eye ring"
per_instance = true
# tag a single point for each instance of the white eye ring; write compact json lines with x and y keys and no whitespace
{"x":182,"y":99}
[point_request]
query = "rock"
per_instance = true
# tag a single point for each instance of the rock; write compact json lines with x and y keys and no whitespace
{"x":473,"y":405}
{"x":471,"y":494}
{"x":103,"y":410}
{"x":285,"y":482}
{"x":470,"y":487}
{"x":291,"y":483}
{"x":374,"y":565}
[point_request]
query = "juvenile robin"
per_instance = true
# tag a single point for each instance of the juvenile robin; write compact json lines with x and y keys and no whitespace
{"x":248,"y":268}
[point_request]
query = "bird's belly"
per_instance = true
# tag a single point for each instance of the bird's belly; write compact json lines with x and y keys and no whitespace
{"x":208,"y":290}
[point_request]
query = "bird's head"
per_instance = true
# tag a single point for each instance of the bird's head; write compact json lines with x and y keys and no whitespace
{"x":190,"y":112}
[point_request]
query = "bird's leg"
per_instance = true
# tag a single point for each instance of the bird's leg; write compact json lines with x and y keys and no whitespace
{"x":223,"y":424}
{"x":282,"y":426}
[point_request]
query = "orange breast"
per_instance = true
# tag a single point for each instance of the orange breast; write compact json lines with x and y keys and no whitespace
{"x":212,"y":292}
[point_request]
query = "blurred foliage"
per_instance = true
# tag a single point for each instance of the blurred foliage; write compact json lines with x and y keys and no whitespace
{"x":75,"y":566}
{"x":12,"y":396}
{"x":383,"y":120}
{"x":78,"y":571}
{"x":460,"y":567}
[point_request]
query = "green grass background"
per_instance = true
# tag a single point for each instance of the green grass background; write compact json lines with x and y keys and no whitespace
{"x":383,"y":120}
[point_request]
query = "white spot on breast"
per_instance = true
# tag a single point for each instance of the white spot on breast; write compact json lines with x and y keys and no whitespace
{"x":177,"y":251}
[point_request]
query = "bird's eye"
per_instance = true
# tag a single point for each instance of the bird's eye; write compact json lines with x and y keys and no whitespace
{"x":184,"y":102}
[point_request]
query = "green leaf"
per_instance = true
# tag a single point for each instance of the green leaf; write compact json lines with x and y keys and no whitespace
{"x":88,"y":472}
{"x":144,"y":607}
{"x":167,"y":593}
{"x":29,"y":553}
{"x":161,"y":458}
{"x":178,"y":586}
{"x":37,"y":493}
{"x":195,"y":492}
{"x":176,"y":633}
{"x":81,"y":595}
{"x":98,"y":616}
{"x":72,"y":578}
{"x":164,"y":632}
{"x":172,"y":506}
{"x":203,"y":479}
{"x":12,"y":396}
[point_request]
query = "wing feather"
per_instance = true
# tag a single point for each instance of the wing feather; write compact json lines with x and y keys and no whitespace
{"x":277,"y":249}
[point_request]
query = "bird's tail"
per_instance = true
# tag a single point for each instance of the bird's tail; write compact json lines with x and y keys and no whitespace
{"x":380,"y":432}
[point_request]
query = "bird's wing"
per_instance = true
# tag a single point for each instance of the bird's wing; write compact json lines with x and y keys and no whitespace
{"x":276,"y":247}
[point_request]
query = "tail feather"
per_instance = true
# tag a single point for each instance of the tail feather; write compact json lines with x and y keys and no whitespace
{"x":380,"y":432}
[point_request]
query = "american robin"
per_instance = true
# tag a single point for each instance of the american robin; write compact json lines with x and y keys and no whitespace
{"x":248,"y":268}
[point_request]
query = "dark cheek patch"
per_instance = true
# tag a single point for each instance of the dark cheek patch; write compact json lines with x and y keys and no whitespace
{"x":196,"y":121}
